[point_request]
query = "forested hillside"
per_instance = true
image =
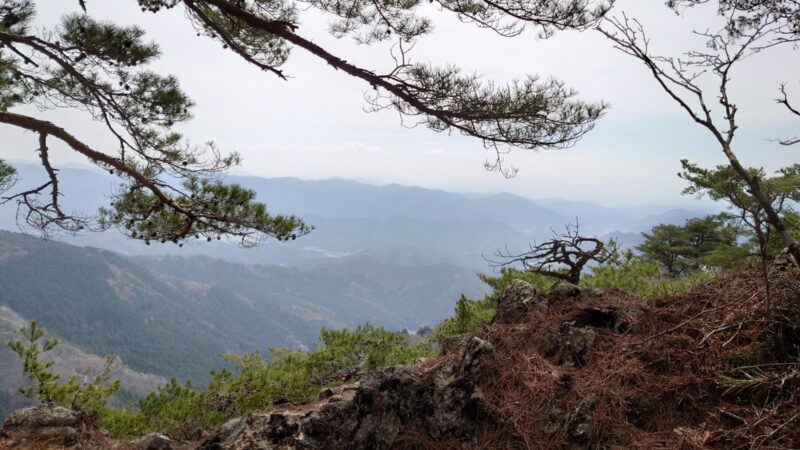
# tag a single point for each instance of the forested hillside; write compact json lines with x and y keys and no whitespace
{"x":173,"y":316}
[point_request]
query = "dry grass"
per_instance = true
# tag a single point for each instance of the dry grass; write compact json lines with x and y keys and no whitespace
{"x":713,"y":368}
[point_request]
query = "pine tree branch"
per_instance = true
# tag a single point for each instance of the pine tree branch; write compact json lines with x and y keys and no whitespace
{"x":48,"y":128}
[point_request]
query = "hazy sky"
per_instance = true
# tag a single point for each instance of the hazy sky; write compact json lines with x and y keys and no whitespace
{"x":314,"y":126}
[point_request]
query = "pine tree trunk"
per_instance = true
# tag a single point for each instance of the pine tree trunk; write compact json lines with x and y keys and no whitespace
{"x":773,"y":218}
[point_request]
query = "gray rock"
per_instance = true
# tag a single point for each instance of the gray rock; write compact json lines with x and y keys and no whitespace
{"x":325,"y":394}
{"x":452,"y":343}
{"x":577,"y":424}
{"x":569,"y":344}
{"x":785,"y":260}
{"x":471,"y":358}
{"x":581,"y":424}
{"x":52,"y":426}
{"x":443,"y":403}
{"x":521,"y":291}
{"x":154,"y":441}
{"x":517,"y":299}
{"x":592,"y":292}
{"x":611,"y":318}
{"x":564,"y":289}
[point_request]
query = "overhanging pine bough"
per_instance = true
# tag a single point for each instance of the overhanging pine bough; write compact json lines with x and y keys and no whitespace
{"x":529,"y":113}
{"x":97,"y":67}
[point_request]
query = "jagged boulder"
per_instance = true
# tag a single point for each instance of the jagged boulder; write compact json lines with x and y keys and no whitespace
{"x":611,"y":318}
{"x":569,"y":344}
{"x":592,"y":292}
{"x":443,"y":403}
{"x":43,"y":426}
{"x":565,"y":290}
{"x":577,"y":424}
{"x":451,"y":344}
{"x":154,"y":441}
{"x":517,"y":299}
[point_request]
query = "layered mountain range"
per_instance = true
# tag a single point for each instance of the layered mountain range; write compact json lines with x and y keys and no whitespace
{"x":393,"y":256}
{"x":401,"y":224}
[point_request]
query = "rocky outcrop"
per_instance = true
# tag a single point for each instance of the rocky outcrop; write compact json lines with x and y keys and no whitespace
{"x":577,"y":425}
{"x":46,"y":427}
{"x":517,"y":300}
{"x":154,"y":441}
{"x":565,"y":289}
{"x":442,"y":403}
{"x":569,"y":343}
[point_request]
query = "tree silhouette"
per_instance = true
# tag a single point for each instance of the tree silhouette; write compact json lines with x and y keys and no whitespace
{"x":564,"y":256}
{"x":99,"y":68}
{"x":784,"y":100}
{"x":723,"y":183}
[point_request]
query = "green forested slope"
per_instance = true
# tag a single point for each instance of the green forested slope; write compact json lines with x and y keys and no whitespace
{"x":174,"y":316}
{"x":345,"y":292}
{"x":106,"y":304}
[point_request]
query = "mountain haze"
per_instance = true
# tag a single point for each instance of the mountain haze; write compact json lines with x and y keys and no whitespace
{"x":357,"y":218}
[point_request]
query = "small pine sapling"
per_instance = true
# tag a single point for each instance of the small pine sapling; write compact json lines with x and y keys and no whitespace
{"x":92,"y":393}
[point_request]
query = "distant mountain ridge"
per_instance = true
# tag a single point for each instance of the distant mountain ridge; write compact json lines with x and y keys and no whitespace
{"x":357,"y":218}
{"x":351,"y":199}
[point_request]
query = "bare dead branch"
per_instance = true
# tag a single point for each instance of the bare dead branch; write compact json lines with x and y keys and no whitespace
{"x":563,"y":257}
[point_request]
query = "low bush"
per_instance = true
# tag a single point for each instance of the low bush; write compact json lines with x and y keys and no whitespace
{"x":181,"y":411}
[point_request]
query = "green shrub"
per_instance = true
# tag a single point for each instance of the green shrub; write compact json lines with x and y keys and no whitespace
{"x":296,"y":375}
{"x":47,"y":385}
{"x":638,"y":276}
{"x":507,"y":275}
{"x":470,"y":314}
{"x":256,"y":383}
{"x":124,"y":422}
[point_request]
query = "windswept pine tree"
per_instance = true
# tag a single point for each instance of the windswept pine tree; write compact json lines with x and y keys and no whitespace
{"x":47,"y":386}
